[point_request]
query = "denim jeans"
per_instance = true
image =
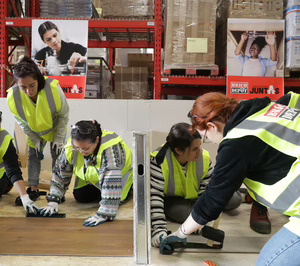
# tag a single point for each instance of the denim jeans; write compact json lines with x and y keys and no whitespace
{"x":282,"y":249}
{"x":34,"y":164}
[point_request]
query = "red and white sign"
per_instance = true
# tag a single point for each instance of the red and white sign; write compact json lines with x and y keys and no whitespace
{"x":73,"y":87}
{"x":245,"y":88}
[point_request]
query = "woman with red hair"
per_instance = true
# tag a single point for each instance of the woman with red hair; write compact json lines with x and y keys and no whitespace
{"x":259,"y":145}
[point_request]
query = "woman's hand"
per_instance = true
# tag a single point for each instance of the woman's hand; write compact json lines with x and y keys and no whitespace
{"x":76,"y":58}
{"x":244,"y":36}
{"x":270,"y":37}
{"x":94,"y":221}
{"x":50,"y":209}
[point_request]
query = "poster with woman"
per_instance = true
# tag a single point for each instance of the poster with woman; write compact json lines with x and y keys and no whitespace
{"x":59,"y":48}
{"x":255,"y":58}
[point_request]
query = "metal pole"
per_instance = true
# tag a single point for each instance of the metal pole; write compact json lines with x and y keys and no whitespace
{"x":142,"y":229}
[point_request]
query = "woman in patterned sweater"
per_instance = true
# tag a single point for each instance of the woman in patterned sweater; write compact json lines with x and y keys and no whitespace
{"x":179,"y":173}
{"x":102,"y":164}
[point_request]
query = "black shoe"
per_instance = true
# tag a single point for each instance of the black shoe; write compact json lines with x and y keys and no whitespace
{"x":18,"y":201}
{"x":33,"y":195}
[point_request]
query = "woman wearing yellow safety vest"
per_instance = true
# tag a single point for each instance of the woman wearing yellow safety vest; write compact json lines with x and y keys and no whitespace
{"x":260,"y":147}
{"x":179,"y":173}
{"x":40,"y":107}
{"x":10,"y":172}
{"x":102,"y":164}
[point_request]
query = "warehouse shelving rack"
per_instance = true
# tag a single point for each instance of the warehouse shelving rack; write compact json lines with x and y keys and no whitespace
{"x":152,"y":29}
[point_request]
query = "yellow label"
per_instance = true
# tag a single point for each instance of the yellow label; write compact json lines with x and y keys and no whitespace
{"x":197,"y":45}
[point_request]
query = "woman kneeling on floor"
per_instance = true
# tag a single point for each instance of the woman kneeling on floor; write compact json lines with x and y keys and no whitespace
{"x":102,"y":164}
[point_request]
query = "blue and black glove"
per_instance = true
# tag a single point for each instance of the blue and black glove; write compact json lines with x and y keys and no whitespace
{"x":167,"y":244}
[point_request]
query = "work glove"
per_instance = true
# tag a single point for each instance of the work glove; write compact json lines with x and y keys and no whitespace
{"x":156,"y":239}
{"x":94,"y":221}
{"x":28,"y":204}
{"x":50,"y":209}
{"x":166,"y":245}
{"x":39,"y":150}
{"x":58,"y":147}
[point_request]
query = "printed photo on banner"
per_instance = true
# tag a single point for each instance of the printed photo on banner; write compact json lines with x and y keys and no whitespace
{"x":59,"y":47}
{"x":255,"y":58}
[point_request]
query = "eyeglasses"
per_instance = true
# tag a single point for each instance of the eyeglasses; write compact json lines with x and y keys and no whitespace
{"x":83,"y":150}
{"x":190,"y":115}
{"x":82,"y":130}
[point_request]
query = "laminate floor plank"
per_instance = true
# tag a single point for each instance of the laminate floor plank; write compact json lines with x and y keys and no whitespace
{"x":65,"y":236}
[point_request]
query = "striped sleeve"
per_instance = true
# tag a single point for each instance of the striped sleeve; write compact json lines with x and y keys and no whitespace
{"x":157,"y":183}
{"x":111,"y":181}
{"x":62,"y":175}
{"x":206,"y":179}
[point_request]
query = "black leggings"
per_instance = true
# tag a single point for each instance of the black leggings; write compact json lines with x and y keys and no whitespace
{"x":86,"y":194}
{"x":5,"y":185}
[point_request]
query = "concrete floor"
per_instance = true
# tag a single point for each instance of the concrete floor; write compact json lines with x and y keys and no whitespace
{"x":240,"y":247}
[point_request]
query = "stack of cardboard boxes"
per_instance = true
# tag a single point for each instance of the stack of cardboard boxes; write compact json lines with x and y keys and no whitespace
{"x":128,"y":8}
{"x":132,"y":80}
{"x":190,"y":34}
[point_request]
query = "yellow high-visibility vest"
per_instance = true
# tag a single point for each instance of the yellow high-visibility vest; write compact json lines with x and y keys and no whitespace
{"x":41,"y":116}
{"x":176,"y":182}
{"x":278,"y":126}
{"x":5,"y":139}
{"x":92,"y":173}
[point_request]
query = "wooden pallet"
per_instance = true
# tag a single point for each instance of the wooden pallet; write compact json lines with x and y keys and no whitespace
{"x":292,"y":72}
{"x":193,"y":71}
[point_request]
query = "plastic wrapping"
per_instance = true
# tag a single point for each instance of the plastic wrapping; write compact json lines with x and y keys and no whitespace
{"x":93,"y":83}
{"x":292,"y":34}
{"x":131,"y":83}
{"x":66,"y":8}
{"x":131,"y":8}
{"x":265,"y":9}
{"x":189,"y":33}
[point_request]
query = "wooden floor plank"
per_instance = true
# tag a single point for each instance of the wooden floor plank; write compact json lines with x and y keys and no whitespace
{"x":65,"y":236}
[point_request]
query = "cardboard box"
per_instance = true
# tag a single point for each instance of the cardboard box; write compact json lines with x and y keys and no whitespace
{"x":265,"y":9}
{"x":190,"y":34}
{"x":141,"y":60}
{"x":131,"y":83}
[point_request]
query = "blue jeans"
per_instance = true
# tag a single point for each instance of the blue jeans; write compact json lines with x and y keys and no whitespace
{"x":282,"y":249}
{"x":34,"y":165}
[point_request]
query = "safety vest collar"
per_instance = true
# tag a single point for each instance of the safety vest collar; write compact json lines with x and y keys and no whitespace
{"x":50,"y":98}
{"x":195,"y":171}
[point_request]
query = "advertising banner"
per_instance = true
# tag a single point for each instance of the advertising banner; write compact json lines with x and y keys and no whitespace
{"x":255,"y":58}
{"x":59,"y":48}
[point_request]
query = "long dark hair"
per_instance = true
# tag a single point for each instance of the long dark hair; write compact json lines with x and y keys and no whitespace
{"x":180,"y":137}
{"x":27,"y":67}
{"x":86,"y":130}
{"x":46,"y":26}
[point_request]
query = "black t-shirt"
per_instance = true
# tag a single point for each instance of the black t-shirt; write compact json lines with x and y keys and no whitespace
{"x":67,"y":49}
{"x":240,"y":158}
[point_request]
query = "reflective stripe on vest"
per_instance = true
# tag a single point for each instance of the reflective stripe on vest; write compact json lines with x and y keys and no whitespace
{"x":201,"y":167}
{"x":277,"y":125}
{"x":50,"y":100}
{"x":5,"y":139}
{"x":295,"y":100}
{"x":283,"y":196}
{"x":281,"y":132}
